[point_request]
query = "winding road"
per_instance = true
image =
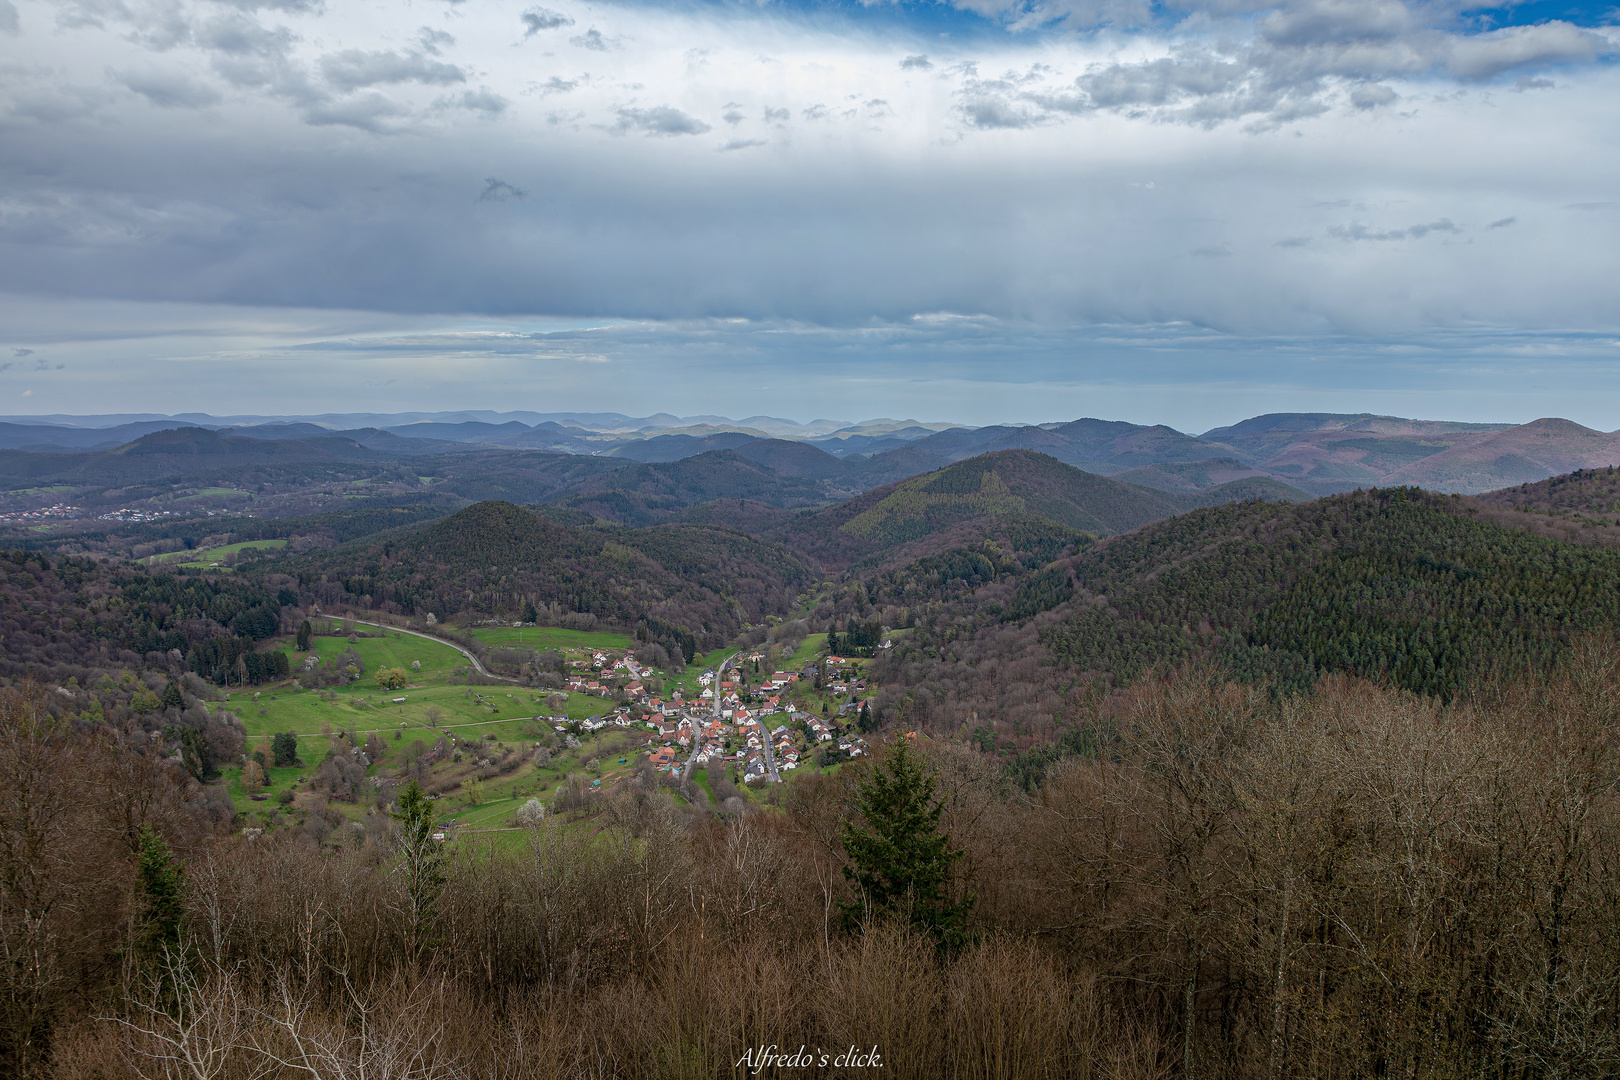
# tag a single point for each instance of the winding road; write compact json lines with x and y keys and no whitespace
{"x":471,"y":659}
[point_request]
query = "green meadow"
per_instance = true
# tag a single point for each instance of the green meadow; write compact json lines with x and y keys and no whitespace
{"x":212,"y":555}
{"x":429,"y":704}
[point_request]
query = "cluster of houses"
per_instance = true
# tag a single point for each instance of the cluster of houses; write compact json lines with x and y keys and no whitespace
{"x":612,"y":673}
{"x":725,"y":722}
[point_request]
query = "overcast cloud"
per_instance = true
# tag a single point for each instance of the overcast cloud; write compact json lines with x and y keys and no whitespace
{"x":1016,"y":203}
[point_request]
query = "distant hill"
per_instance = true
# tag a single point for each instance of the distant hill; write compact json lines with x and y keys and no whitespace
{"x":1264,"y":488}
{"x":1030,"y":499}
{"x":1098,"y":445}
{"x":641,"y":494}
{"x":174,"y":454}
{"x":686,"y":585}
{"x":1527,"y":453}
{"x":1323,"y":452}
{"x":780,"y":455}
{"x":1199,"y":477}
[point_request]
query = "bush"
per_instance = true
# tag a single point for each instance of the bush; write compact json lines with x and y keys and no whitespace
{"x":392,"y":678}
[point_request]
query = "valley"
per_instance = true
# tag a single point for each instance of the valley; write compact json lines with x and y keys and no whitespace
{"x":664,"y":700}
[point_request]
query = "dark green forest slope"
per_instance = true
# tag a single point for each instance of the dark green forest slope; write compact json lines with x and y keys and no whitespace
{"x":1400,"y":586}
{"x":683,"y":585}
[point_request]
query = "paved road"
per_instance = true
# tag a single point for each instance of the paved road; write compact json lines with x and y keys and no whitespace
{"x":473,"y":660}
{"x":770,"y":758}
{"x":714,"y":710}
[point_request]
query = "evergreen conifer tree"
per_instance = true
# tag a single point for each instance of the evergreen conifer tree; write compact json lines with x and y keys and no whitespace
{"x":898,"y":857}
{"x":158,"y":945}
{"x":423,"y":865}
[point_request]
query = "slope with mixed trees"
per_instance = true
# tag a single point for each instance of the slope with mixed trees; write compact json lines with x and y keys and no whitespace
{"x":1400,"y":586}
{"x":1582,"y":507}
{"x":685,"y":586}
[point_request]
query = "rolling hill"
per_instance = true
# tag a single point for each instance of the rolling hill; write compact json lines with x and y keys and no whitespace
{"x":641,"y":494}
{"x":1527,"y":453}
{"x":690,"y":586}
{"x":1031,"y":500}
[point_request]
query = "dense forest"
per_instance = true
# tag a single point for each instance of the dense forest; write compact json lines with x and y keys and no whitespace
{"x":1409,"y":589}
{"x":65,"y":618}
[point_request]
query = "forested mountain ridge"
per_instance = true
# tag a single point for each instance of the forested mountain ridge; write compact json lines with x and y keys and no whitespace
{"x":1401,"y":586}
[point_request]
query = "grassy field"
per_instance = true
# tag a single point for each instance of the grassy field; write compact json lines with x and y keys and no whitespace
{"x":549,"y":637}
{"x":806,"y":651}
{"x":212,"y":555}
{"x":213,"y":493}
{"x":432,"y":705}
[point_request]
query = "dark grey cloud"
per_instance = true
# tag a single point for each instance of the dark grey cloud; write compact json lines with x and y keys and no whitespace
{"x":482,"y":101}
{"x":918,"y":63}
{"x":434,"y":42}
{"x":354,"y":69}
{"x":170,"y":89}
{"x":1503,"y":223}
{"x":537,"y":19}
{"x":22,"y":352}
{"x":742,"y":144}
{"x":1337,"y":22}
{"x":9,"y":21}
{"x":593,"y":40}
{"x":496,"y":190}
{"x":659,"y":120}
{"x":1357,"y":231}
{"x":994,"y":111}
{"x":1372,"y":96}
{"x":777,"y":116}
{"x":242,"y":35}
{"x":369,"y":111}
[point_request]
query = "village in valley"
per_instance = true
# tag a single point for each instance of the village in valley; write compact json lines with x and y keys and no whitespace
{"x":508,"y":724}
{"x":743,"y":715}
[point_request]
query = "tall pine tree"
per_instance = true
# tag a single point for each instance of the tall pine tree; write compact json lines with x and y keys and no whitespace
{"x":899,"y":859}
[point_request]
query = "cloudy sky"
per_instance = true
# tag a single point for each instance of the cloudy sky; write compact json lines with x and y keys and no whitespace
{"x":974,"y":210}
